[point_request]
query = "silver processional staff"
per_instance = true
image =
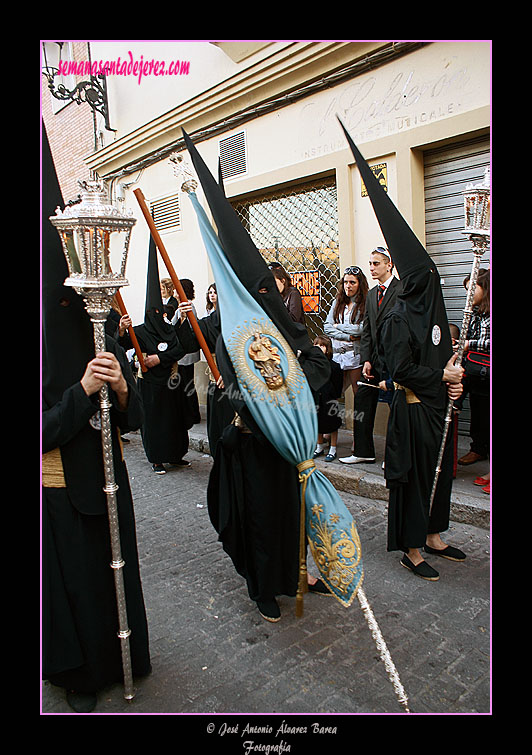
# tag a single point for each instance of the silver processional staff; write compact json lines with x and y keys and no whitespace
{"x":85,"y":231}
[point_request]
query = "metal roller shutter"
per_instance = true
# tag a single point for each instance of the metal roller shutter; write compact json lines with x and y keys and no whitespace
{"x":448,"y":170}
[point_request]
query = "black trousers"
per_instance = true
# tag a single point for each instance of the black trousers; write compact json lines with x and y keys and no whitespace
{"x":364,"y":410}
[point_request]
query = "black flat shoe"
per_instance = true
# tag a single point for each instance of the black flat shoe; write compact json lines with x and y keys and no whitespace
{"x":453,"y":554}
{"x":81,"y":702}
{"x":319,"y":587}
{"x":269,"y":610}
{"x":423,"y":570}
{"x":317,"y":454}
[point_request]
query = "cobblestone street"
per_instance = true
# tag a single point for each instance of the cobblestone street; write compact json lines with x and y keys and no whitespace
{"x":212,"y":653}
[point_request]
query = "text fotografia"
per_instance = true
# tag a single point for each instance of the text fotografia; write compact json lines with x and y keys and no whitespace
{"x":127,"y":67}
{"x":284,"y":729}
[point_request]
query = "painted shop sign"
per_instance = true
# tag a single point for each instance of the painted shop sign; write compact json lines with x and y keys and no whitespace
{"x":307,"y":283}
{"x":380,"y":171}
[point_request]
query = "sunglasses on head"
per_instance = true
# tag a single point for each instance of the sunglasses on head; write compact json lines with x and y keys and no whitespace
{"x":382,"y":250}
{"x":352,"y":270}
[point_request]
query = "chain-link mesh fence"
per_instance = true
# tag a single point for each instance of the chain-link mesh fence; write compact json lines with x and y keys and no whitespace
{"x":298,"y":227}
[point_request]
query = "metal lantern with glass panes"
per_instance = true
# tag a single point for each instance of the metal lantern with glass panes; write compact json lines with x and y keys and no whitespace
{"x":477,"y":208}
{"x":477,"y":228}
{"x":85,"y":230}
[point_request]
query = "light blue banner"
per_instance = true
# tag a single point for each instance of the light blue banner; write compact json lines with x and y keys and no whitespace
{"x":277,"y":394}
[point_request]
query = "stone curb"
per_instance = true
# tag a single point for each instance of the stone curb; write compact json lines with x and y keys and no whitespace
{"x":353,"y":479}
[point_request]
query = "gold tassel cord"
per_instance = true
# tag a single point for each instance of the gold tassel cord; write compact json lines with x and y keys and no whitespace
{"x":302,"y":586}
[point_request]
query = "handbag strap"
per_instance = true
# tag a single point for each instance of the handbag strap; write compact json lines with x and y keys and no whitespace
{"x":478,"y":357}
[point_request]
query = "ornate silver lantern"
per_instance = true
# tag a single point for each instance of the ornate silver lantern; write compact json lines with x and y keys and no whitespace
{"x":477,"y":228}
{"x":85,"y":230}
{"x":477,"y":208}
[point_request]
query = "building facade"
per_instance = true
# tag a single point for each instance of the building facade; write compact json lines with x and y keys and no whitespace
{"x":266,"y":112}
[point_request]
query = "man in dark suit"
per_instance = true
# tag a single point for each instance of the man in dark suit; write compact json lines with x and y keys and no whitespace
{"x":379,"y":301}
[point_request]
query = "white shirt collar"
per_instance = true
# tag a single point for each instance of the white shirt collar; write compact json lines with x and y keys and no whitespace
{"x":386,"y":283}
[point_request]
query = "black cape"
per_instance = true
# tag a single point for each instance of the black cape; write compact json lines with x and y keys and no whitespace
{"x":253,"y":503}
{"x":413,"y":441}
{"x":167,"y":414}
{"x":253,"y":500}
{"x":80,"y":647}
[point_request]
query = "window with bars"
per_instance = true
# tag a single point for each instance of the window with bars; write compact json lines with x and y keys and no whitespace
{"x":298,"y":227}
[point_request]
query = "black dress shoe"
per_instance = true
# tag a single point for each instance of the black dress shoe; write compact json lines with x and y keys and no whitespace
{"x":423,"y":570}
{"x":453,"y":554}
{"x":269,"y":610}
{"x":319,"y":587}
{"x":81,"y":702}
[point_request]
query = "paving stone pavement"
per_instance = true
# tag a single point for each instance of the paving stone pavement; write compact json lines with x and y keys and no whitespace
{"x":212,"y":653}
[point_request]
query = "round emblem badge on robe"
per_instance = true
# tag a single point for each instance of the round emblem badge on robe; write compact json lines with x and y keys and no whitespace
{"x":436,"y":335}
{"x":162,"y":346}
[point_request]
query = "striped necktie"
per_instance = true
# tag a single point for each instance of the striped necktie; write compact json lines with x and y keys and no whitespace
{"x":380,"y":294}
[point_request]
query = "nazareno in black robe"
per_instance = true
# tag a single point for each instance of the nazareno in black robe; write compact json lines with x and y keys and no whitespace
{"x":80,"y":647}
{"x":413,"y":441}
{"x":167,"y":415}
{"x":253,"y":494}
{"x":415,"y":344}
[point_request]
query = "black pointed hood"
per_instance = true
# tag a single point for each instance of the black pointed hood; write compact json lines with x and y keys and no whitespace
{"x":244,"y":257}
{"x":67,"y":333}
{"x":154,"y":297}
{"x":155,"y":330}
{"x":421,"y":299}
{"x":220,"y":177}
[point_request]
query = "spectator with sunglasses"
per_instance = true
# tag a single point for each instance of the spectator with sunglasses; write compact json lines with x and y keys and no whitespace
{"x":380,"y":300}
{"x":344,"y":324}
